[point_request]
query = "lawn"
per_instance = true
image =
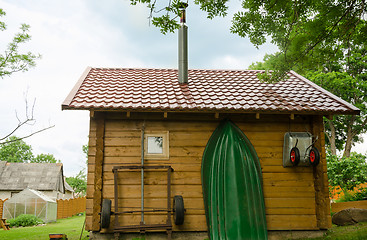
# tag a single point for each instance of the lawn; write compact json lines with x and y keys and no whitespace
{"x":353,"y":232}
{"x":72,"y":227}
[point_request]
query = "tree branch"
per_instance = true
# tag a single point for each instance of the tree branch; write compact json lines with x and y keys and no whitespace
{"x":27,"y":136}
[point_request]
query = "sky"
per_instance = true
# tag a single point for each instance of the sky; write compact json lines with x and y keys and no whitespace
{"x":74,"y":34}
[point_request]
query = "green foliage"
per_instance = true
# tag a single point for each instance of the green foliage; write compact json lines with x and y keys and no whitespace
{"x":12,"y":60}
{"x":78,"y":183}
{"x":45,"y":158}
{"x":16,"y":150}
{"x":302,"y":30}
{"x":352,"y":89}
{"x":346,"y":77}
{"x":347,"y":197}
{"x":360,"y":195}
{"x":354,"y":196}
{"x":24,"y":220}
{"x":85,"y":150}
{"x":347,"y":172}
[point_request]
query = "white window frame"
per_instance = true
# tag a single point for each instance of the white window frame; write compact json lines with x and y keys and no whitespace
{"x":165,"y":146}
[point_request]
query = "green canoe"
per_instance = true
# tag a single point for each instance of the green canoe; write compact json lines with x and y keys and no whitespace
{"x":232,"y":186}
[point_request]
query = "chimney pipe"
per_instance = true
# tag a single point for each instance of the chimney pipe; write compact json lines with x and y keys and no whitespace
{"x":182,"y":47}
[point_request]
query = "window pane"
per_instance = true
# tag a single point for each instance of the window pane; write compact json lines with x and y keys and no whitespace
{"x":155,"y":145}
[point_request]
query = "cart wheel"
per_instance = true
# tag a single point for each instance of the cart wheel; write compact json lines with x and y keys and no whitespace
{"x":314,"y":156}
{"x":294,"y":156}
{"x":106,"y":213}
{"x":178,"y":210}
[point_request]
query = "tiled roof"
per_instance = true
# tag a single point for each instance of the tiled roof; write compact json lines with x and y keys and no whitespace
{"x":39,"y":176}
{"x":207,"y":90}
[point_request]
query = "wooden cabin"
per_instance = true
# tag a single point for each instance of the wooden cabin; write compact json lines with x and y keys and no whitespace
{"x":128,"y":105}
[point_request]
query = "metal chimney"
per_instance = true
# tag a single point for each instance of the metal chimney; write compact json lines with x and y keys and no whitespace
{"x":182,"y":47}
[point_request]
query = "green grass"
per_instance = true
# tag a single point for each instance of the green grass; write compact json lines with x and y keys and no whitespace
{"x":353,"y":232}
{"x":72,"y":227}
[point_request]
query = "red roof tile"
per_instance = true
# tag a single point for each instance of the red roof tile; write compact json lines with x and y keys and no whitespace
{"x":207,"y":90}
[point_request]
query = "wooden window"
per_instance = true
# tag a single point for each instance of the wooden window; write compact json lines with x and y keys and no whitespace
{"x":156,"y":145}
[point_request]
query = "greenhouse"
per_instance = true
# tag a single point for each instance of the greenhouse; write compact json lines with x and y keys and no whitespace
{"x":33,"y":202}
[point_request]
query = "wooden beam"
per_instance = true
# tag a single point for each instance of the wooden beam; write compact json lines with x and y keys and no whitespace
{"x":292,"y":116}
{"x":128,"y":114}
{"x":320,"y":177}
{"x":98,"y":170}
{"x":165,"y":114}
{"x":91,"y":113}
{"x":257,"y":116}
{"x":216,"y":115}
{"x":330,"y":117}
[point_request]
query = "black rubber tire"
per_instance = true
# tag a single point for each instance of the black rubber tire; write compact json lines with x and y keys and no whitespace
{"x":314,"y":156}
{"x":178,"y":210}
{"x":106,"y":213}
{"x":294,"y":156}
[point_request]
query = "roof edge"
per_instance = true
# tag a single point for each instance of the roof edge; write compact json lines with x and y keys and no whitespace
{"x":70,"y":97}
{"x":352,"y":107}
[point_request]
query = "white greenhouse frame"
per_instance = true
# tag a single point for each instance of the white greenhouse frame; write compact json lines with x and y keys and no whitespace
{"x":32,"y":202}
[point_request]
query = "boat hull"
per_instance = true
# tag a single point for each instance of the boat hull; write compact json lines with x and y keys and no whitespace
{"x":232,"y":186}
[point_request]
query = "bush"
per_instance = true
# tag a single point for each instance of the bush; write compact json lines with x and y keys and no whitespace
{"x":347,"y":172}
{"x":360,"y":194}
{"x":24,"y":220}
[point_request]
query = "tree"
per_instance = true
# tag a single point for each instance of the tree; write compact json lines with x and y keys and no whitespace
{"x":85,"y":149}
{"x":45,"y":158}
{"x":343,"y":131}
{"x":78,"y":183}
{"x":12,"y":60}
{"x":297,"y":28}
{"x":16,"y":150}
{"x":346,"y":77}
{"x":347,"y":172}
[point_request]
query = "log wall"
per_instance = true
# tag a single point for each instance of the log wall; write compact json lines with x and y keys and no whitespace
{"x":289,"y":193}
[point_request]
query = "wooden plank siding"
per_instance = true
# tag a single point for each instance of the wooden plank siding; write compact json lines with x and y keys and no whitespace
{"x":289,"y":193}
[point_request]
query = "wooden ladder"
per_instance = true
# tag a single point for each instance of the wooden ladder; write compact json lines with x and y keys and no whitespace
{"x":4,"y":225}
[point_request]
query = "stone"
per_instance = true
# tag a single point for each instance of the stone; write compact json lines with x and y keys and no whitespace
{"x":350,"y":216}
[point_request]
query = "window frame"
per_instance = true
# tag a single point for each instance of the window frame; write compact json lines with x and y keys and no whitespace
{"x":165,"y":146}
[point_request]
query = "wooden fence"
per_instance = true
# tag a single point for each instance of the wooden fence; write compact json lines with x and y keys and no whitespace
{"x":336,"y":207}
{"x":1,"y":207}
{"x":65,"y":208}
{"x":70,"y":207}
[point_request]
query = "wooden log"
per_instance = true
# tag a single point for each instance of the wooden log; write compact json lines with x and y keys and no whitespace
{"x":98,"y":171}
{"x":320,"y":177}
{"x":198,"y":222}
{"x":288,"y":176}
{"x":152,"y":191}
{"x":291,"y":222}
